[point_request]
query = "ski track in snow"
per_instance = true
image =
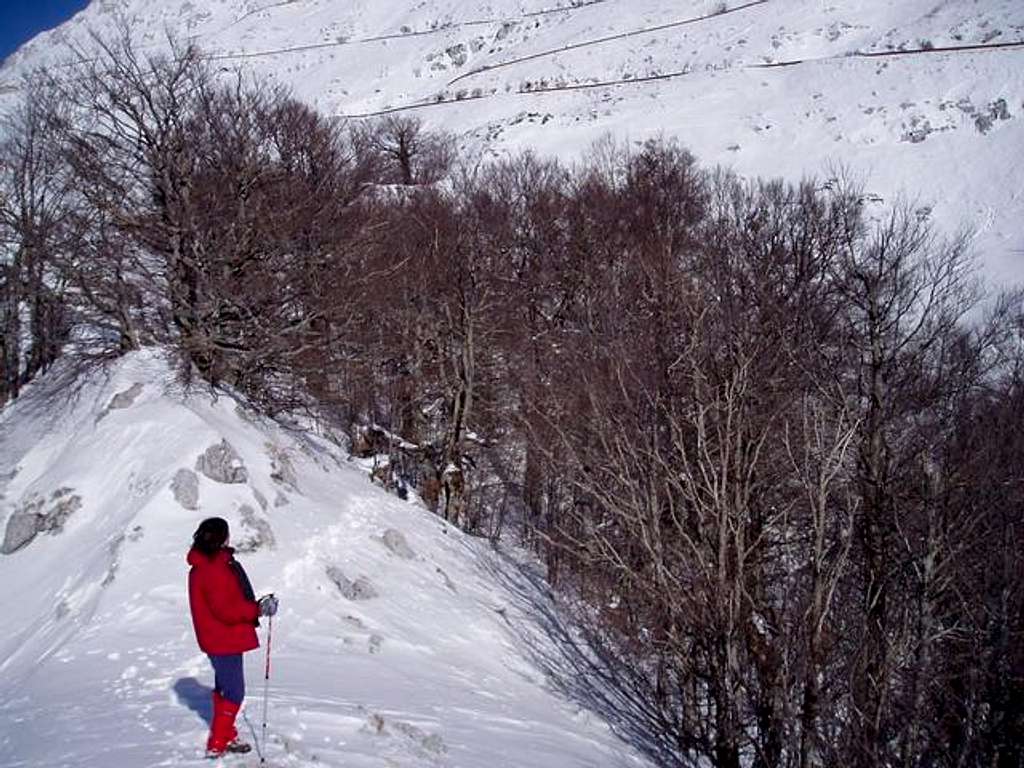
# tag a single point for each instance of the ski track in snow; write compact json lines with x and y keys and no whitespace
{"x":103,"y":670}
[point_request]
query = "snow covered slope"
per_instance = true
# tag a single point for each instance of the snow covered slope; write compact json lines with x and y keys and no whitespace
{"x":400,"y":642}
{"x":770,"y":87}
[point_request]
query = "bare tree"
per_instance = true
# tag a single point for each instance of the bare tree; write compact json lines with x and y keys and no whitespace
{"x":35,"y":201}
{"x":904,"y":294}
{"x":216,"y":204}
{"x":129,"y":146}
{"x":411,"y":154}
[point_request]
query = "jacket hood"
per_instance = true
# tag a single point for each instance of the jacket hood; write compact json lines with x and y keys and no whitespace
{"x":197,"y":558}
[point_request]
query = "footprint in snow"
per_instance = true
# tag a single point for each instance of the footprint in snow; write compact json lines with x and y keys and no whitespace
{"x":408,"y":736}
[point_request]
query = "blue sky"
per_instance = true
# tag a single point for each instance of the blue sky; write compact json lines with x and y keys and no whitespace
{"x":20,"y":20}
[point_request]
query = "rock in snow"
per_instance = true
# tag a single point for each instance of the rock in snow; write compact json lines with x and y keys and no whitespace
{"x":395,"y":541}
{"x":360,"y":589}
{"x":282,"y":471}
{"x":185,"y":487}
{"x":221,"y":463}
{"x":122,"y":400}
{"x":21,"y":529}
{"x":125,"y":399}
{"x":255,"y":534}
{"x":37,"y":515}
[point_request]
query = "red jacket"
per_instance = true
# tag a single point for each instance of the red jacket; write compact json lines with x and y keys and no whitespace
{"x":224,"y":620}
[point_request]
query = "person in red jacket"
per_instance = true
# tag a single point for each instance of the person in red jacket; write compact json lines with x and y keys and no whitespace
{"x":225,"y":615}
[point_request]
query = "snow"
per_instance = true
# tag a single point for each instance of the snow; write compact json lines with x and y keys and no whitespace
{"x":449,"y":665}
{"x":99,"y":666}
{"x":905,"y":125}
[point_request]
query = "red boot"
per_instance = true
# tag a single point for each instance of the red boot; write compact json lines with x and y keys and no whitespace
{"x":223,"y":735}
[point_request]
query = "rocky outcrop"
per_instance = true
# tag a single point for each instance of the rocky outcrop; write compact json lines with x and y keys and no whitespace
{"x":122,"y":400}
{"x":255,"y":532}
{"x":396,"y":543}
{"x":360,"y":589}
{"x":21,"y":529}
{"x":221,"y":463}
{"x":185,"y":487}
{"x":36,"y":515}
{"x":281,"y":469}
{"x":125,"y":399}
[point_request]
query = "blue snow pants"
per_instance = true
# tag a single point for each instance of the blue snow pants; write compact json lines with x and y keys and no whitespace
{"x":229,"y":676}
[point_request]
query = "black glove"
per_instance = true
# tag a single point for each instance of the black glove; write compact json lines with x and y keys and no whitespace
{"x":268,"y":605}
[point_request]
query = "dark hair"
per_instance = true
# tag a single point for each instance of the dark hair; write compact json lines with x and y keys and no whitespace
{"x":210,"y":536}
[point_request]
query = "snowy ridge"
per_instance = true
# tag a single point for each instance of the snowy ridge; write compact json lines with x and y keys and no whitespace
{"x":769,"y":87}
{"x":400,"y":642}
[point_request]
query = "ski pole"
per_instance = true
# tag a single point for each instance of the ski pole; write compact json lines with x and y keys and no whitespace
{"x":266,"y":685}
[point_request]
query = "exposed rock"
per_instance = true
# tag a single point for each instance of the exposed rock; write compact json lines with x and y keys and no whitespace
{"x":122,"y":400}
{"x":256,"y":532}
{"x":281,"y":500}
{"x":363,"y":589}
{"x":919,"y":130}
{"x":222,"y":464}
{"x":21,"y":529}
{"x":505,"y":28}
{"x":360,"y":589}
{"x":63,"y":504}
{"x":185,"y":487}
{"x":35,"y":515}
{"x":997,"y":110}
{"x":125,"y":399}
{"x":458,"y":54}
{"x":281,"y":469}
{"x":395,"y":541}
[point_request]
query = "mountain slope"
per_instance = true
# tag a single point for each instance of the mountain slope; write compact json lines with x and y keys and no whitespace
{"x":400,"y":642}
{"x":768,"y":87}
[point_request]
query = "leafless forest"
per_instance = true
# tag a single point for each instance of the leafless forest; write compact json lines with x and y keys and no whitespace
{"x":765,"y":436}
